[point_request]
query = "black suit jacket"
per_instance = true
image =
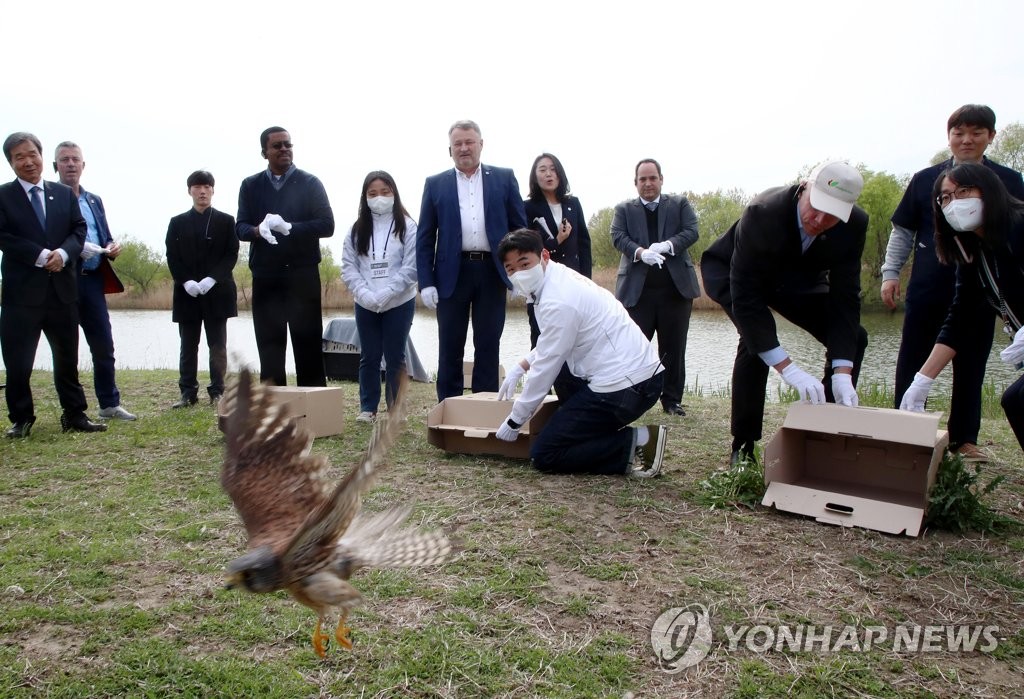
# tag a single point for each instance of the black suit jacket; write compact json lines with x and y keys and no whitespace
{"x":196,"y":251}
{"x":575,"y":252}
{"x":22,"y":239}
{"x":760,"y":257}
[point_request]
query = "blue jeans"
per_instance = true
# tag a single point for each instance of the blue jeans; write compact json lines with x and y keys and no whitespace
{"x":590,"y":433}
{"x":382,"y":335}
{"x":95,"y":321}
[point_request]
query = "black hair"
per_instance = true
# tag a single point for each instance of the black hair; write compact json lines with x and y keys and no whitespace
{"x":16,"y":139}
{"x":636,"y":170}
{"x":561,"y":192}
{"x":265,"y":136}
{"x":362,"y":229}
{"x":1000,"y":211}
{"x":199,"y":177}
{"x":972,"y":115}
{"x":520,"y":240}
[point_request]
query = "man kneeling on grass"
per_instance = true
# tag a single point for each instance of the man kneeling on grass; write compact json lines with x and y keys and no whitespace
{"x":605,"y":372}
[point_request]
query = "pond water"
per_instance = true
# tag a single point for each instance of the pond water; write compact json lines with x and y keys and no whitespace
{"x":149,"y":340}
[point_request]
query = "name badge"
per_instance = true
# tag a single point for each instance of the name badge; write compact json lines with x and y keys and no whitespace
{"x":378,"y":270}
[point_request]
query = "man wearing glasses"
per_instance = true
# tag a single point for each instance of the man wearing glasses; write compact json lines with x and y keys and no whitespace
{"x":970,"y":130}
{"x":283,"y":212}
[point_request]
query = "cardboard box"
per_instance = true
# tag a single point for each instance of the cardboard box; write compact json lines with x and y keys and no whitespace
{"x":318,"y":410}
{"x":467,"y":375}
{"x":466,"y":425}
{"x":855,"y":467}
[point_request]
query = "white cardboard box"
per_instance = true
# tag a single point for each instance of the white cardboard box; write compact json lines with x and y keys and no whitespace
{"x":466,"y":425}
{"x":855,"y":467}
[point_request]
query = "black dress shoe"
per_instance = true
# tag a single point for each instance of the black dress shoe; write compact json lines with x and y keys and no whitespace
{"x":80,"y":423}
{"x":742,"y":455}
{"x":21,"y":429}
{"x":673,"y":409}
{"x":185,"y":402}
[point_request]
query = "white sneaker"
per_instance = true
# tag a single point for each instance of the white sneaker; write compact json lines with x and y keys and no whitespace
{"x":647,"y":462}
{"x":116,"y":413}
{"x":366,"y":417}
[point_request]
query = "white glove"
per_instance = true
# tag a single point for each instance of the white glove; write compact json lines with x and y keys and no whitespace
{"x":264,"y":229}
{"x":917,"y":394}
{"x":843,"y":390}
{"x":429,"y":296}
{"x":506,"y":433}
{"x":205,"y":284}
{"x":652,"y":258}
{"x":278,"y":224}
{"x":662,"y":248}
{"x":373,"y":300}
{"x":807,"y":387}
{"x":91,"y":250}
{"x":1012,"y":355}
{"x":192,"y":288}
{"x":508,"y":386}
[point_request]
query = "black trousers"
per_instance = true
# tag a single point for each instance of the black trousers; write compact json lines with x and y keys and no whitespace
{"x":289,"y":302}
{"x":188,"y":358}
{"x":1013,"y":406}
{"x":750,"y":373}
{"x":663,"y":311}
{"x":20,"y":328}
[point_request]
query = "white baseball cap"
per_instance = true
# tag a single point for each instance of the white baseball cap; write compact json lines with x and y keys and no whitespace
{"x":834,"y":187}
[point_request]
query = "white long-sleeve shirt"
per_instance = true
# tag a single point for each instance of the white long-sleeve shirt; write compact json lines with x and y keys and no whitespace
{"x":400,"y":280}
{"x":583,"y":325}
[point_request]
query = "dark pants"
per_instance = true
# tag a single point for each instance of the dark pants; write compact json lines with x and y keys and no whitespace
{"x":1013,"y":406}
{"x":480,"y":294}
{"x":750,"y":373}
{"x":188,"y":359}
{"x":590,"y":433}
{"x":290,"y":301}
{"x":20,"y":328}
{"x":921,"y":324}
{"x":663,"y":310}
{"x":382,"y":335}
{"x":95,"y":321}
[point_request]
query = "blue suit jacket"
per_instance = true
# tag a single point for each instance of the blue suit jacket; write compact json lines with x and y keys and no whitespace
{"x":439,"y":231}
{"x":22,"y":239}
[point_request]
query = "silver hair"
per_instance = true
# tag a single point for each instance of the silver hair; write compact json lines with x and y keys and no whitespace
{"x":468,"y":125}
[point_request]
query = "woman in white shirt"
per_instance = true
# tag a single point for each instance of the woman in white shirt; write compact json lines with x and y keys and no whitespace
{"x":378,"y":264}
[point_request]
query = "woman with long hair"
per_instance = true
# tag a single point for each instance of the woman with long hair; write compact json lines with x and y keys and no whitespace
{"x":980,"y":228}
{"x":378,"y":264}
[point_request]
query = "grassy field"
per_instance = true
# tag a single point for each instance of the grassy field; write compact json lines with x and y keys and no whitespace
{"x":113,"y":548}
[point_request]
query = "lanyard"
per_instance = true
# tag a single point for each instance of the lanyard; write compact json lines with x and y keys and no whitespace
{"x":1010,"y":322}
{"x":373,"y":247}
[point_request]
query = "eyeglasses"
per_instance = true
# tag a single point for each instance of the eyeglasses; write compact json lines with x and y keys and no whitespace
{"x":282,"y":144}
{"x":962,"y":192}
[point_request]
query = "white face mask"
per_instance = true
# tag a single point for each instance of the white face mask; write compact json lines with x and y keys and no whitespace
{"x":381,"y":205}
{"x":964,"y":215}
{"x":527,"y":282}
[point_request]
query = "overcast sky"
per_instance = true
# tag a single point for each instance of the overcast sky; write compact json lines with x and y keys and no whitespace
{"x":724,"y":94}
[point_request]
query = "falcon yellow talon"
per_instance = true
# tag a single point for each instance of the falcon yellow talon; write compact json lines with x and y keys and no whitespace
{"x":318,"y":641}
{"x":341,"y":634}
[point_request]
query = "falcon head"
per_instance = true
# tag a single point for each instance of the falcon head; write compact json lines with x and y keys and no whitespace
{"x":258,"y":570}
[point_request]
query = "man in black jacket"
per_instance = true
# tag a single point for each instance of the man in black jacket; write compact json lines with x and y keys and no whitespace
{"x":202,"y":250}
{"x":795,"y":250}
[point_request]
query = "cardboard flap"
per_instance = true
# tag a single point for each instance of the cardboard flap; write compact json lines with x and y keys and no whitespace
{"x":477,"y":433}
{"x":883,"y":424}
{"x":844,"y":509}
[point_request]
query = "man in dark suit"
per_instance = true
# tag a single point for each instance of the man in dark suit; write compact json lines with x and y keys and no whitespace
{"x":283,"y":212}
{"x":202,"y":250}
{"x":656,"y":280}
{"x":465,"y":213}
{"x":795,"y":250}
{"x":970,"y":130}
{"x":41,"y":236}
{"x":94,"y":270}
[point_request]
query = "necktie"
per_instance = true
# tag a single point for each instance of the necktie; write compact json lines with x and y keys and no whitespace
{"x":652,"y":206}
{"x":37,"y":204}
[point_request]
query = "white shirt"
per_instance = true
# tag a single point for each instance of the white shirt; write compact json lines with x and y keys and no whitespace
{"x":583,"y":325}
{"x":27,"y":186}
{"x":395,"y":287}
{"x":471,"y":209}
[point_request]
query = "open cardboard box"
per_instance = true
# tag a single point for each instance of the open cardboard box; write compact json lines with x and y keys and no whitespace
{"x":467,"y":374}
{"x":466,"y":425}
{"x":855,"y":467}
{"x":319,"y":410}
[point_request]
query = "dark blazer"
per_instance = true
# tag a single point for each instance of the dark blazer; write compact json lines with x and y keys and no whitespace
{"x":575,"y":251}
{"x":677,"y":223}
{"x":760,"y":256}
{"x":22,"y":239}
{"x":439,"y":232}
{"x":214,"y":256}
{"x":103,"y":231}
